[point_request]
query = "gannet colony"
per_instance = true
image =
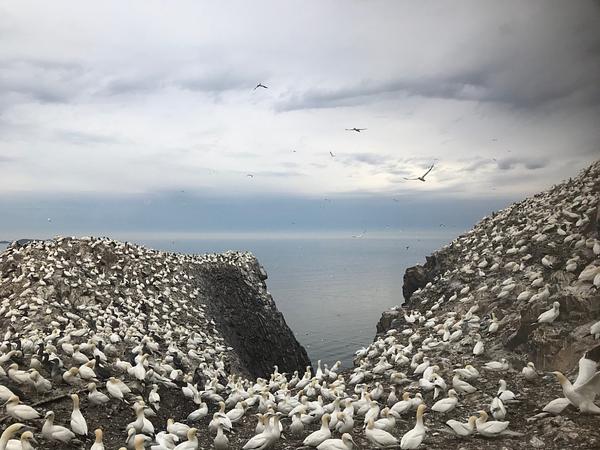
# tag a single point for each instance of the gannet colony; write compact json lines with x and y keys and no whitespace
{"x":108,"y":345}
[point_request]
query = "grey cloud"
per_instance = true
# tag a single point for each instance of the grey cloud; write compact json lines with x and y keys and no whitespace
{"x":45,"y":81}
{"x":81,"y":137}
{"x":125,"y":85}
{"x":528,"y":163}
{"x":220,"y":81}
{"x":371,"y":159}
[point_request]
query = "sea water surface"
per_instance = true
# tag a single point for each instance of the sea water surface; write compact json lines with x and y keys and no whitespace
{"x":331,"y":289}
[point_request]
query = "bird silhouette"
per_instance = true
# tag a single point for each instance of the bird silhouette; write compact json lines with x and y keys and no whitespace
{"x":332,"y":154}
{"x":358,"y":130}
{"x":261,"y":86}
{"x":422,"y":177}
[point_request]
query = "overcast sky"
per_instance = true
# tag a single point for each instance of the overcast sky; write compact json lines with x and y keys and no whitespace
{"x":143,"y":115}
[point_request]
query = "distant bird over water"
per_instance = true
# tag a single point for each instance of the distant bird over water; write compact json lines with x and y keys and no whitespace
{"x":358,"y":130}
{"x":261,"y":86}
{"x":332,"y":154}
{"x":422,"y":177}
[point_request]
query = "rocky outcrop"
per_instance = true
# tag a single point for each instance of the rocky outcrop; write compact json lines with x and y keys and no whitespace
{"x":246,"y":315}
{"x":515,"y":264}
{"x":475,"y":306}
{"x":226,"y":292}
{"x":418,"y":276}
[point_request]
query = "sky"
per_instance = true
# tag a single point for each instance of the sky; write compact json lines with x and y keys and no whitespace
{"x":142,"y":116}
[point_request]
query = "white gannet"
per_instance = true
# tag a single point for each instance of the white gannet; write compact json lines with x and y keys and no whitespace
{"x":56,"y":432}
{"x":529,"y":372}
{"x":491,"y":428}
{"x":462,"y":429}
{"x":582,"y":396}
{"x":177,"y":428}
{"x":504,"y":394}
{"x":98,"y":444}
{"x":78,"y":423}
{"x":497,"y":409}
{"x":413,"y":438}
{"x":461,"y":386}
{"x":446,"y":404}
{"x":191,"y":443}
{"x":17,"y":411}
{"x":379,"y":438}
{"x":345,"y":443}
{"x":220,"y":441}
{"x":21,"y":444}
{"x":497,"y":366}
{"x":322,"y":434}
{"x":550,"y":315}
{"x":587,"y":369}
{"x":9,"y":433}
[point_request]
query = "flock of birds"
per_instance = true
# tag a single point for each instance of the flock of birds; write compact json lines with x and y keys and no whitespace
{"x":109,"y":323}
{"x":356,"y":130}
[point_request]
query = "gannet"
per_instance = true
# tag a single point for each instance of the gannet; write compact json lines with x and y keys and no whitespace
{"x":529,"y":371}
{"x":495,"y":366}
{"x":56,"y":432}
{"x":9,"y":433}
{"x":446,"y":404}
{"x":98,"y":444}
{"x":462,"y":429}
{"x":497,"y":408}
{"x":461,"y":386}
{"x":550,"y":315}
{"x":413,"y":438}
{"x":78,"y":423}
{"x":379,"y":438}
{"x":422,"y":177}
{"x":266,"y":438}
{"x":491,"y":428}
{"x":345,"y":443}
{"x":582,"y":396}
{"x":192,"y":441}
{"x":316,"y":437}
{"x":220,"y":441}
{"x":18,"y":411}
{"x":21,"y":444}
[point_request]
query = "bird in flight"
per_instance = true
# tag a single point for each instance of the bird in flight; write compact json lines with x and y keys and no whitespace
{"x":260,"y":85}
{"x":422,"y":177}
{"x":358,"y":130}
{"x":250,"y":175}
{"x":332,"y":155}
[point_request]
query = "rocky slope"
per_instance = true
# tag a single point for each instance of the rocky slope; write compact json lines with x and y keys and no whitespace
{"x":221,"y":297}
{"x":489,"y":286}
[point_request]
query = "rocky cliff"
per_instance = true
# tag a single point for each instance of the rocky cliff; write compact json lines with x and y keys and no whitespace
{"x":522,"y":286}
{"x":224,"y":296}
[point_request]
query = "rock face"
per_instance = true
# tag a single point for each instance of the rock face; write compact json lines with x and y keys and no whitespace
{"x":246,"y":315}
{"x":418,"y":276}
{"x":225,"y":293}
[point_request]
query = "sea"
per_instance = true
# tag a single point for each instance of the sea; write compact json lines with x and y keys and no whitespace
{"x":331,"y":288}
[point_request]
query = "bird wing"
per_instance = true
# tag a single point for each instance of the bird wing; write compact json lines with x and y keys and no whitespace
{"x":430,"y":169}
{"x":587,"y":369}
{"x":411,"y":179}
{"x":591,"y":387}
